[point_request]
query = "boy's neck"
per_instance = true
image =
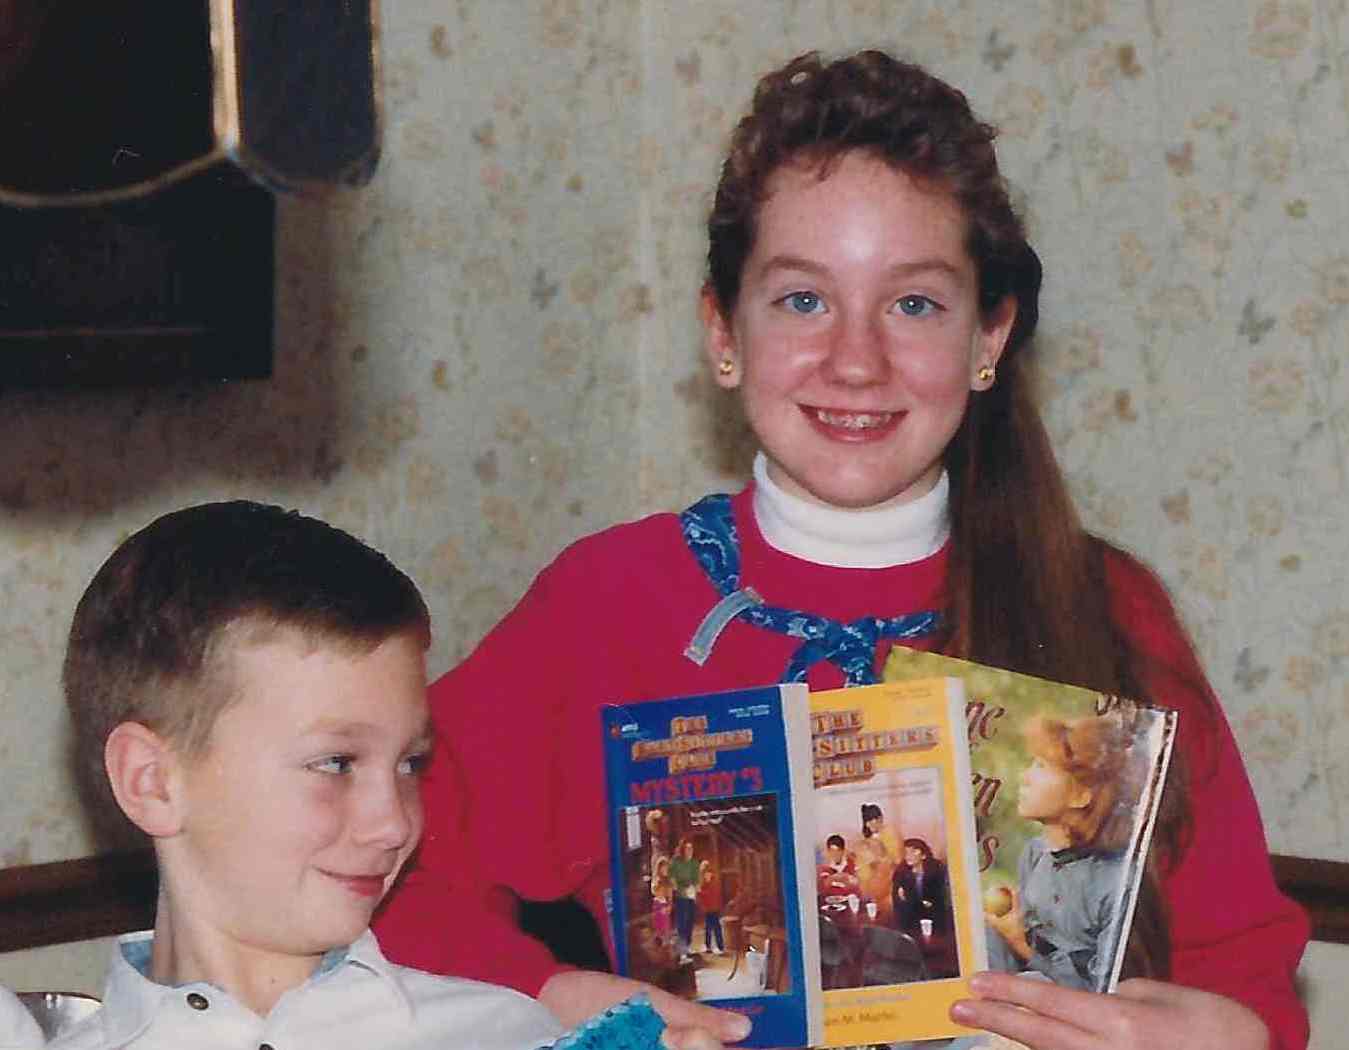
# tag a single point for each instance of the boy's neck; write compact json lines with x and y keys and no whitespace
{"x":190,"y":948}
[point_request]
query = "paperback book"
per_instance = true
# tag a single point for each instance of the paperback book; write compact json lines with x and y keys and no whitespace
{"x":897,"y":882}
{"x":711,"y":838}
{"x":1066,"y":784}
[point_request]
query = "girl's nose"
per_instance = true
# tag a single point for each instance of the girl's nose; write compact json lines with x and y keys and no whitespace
{"x":857,"y":355}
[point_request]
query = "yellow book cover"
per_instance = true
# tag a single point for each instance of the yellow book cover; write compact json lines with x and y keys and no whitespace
{"x":897,"y":885}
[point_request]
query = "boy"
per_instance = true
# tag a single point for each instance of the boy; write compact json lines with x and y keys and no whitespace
{"x":18,"y":1030}
{"x":248,"y":686}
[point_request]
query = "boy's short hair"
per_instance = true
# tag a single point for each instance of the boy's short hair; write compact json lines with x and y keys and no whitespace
{"x":835,"y":840}
{"x":148,"y":634}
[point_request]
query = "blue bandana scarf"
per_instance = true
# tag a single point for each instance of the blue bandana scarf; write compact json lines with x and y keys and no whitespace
{"x":710,"y":533}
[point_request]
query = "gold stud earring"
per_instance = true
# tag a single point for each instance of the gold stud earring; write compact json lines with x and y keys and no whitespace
{"x":725,"y":366}
{"x":986,"y":374}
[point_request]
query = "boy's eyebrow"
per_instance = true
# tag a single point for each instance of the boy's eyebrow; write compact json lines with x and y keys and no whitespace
{"x":342,"y":727}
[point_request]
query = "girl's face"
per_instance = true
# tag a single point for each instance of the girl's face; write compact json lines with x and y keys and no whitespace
{"x":857,"y":337}
{"x":1048,"y":793}
{"x":875,"y":824}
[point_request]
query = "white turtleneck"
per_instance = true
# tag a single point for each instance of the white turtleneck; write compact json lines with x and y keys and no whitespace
{"x":872,"y":538}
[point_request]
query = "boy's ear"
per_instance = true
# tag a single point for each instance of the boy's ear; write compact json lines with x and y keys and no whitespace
{"x":141,"y":765}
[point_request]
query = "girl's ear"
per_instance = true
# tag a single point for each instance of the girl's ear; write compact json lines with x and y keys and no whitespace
{"x":718,"y":341}
{"x":141,"y":767}
{"x":1080,"y":797}
{"x":991,"y":340}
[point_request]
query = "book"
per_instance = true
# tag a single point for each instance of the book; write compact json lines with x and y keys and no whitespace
{"x":897,"y":882}
{"x":711,"y":841}
{"x":1066,"y":785}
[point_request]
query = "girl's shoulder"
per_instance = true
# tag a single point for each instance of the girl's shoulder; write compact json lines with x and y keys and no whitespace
{"x":1143,"y":612}
{"x":654,"y":543}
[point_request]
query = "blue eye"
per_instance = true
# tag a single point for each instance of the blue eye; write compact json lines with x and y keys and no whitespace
{"x":803,"y":302}
{"x":415,"y":765}
{"x":337,"y":765}
{"x":915,"y":305}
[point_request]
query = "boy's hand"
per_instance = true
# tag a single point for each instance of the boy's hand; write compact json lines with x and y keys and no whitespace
{"x":1141,"y":1015}
{"x":575,"y":995}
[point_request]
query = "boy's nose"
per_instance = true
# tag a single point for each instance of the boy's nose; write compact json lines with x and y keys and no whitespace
{"x":391,"y":817}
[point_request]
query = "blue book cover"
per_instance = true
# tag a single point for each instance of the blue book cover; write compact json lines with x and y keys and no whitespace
{"x":712,"y":846}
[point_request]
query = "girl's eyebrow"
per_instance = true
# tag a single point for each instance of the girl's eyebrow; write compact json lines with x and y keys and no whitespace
{"x":910,"y":268}
{"x":793,"y":262}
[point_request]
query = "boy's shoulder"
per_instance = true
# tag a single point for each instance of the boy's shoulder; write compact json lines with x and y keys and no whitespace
{"x":357,"y":999}
{"x":405,"y":1007}
{"x":17,"y":1027}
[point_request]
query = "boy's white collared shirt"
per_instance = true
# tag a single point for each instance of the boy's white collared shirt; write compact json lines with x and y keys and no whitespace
{"x":18,"y":1030}
{"x":356,"y":998}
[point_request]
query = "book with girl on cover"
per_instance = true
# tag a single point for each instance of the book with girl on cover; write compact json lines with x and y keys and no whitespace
{"x":713,"y":874}
{"x":897,"y":883}
{"x":1066,"y":784}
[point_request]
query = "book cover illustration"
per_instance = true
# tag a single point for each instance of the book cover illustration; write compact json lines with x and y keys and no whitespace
{"x":1066,"y":784}
{"x":711,"y":853}
{"x":897,"y":884}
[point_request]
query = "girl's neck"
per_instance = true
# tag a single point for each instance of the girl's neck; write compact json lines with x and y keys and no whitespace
{"x":1057,"y":837}
{"x":871,"y":538}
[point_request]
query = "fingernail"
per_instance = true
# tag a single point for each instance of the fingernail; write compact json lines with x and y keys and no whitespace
{"x":979,"y":984}
{"x":962,"y":1011}
{"x":738,"y":1028}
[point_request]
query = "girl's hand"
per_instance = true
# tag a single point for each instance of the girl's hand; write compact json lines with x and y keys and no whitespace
{"x":1141,"y":1015}
{"x":575,"y":995}
{"x":1011,"y":926}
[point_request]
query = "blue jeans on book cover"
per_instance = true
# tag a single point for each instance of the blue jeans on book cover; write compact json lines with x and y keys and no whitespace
{"x":683,"y":916}
{"x":712,"y":928}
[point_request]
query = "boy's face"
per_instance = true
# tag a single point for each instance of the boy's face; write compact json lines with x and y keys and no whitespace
{"x":304,"y":805}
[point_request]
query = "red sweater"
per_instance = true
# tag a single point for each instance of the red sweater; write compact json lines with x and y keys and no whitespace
{"x":520,"y":787}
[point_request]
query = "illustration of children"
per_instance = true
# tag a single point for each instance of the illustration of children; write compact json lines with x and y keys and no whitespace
{"x":662,"y":902}
{"x":919,"y":890}
{"x":1060,"y":918}
{"x":709,"y":900}
{"x":684,"y":875}
{"x":877,"y":855}
{"x":658,"y":833}
{"x":837,"y":876}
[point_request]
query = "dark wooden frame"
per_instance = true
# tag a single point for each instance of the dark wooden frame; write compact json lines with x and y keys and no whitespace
{"x":75,"y":900}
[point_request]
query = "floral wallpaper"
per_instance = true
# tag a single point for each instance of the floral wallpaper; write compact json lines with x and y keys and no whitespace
{"x":493,"y":348}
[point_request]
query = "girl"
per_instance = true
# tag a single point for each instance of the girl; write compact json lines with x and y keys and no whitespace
{"x":919,"y":891}
{"x":662,"y":903}
{"x":877,"y":854}
{"x":871,"y":297}
{"x":684,"y":873}
{"x":709,"y":900}
{"x":1069,"y":874}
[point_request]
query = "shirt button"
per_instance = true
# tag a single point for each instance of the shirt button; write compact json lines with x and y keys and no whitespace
{"x":197,"y":1001}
